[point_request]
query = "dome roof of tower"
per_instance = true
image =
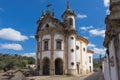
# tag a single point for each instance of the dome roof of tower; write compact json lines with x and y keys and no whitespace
{"x":68,"y":11}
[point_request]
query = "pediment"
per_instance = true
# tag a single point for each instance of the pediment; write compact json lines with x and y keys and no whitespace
{"x":49,"y":22}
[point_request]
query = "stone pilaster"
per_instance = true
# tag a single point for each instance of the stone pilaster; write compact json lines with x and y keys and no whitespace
{"x":52,"y":67}
{"x":65,"y":67}
{"x":37,"y":57}
{"x":117,"y":53}
{"x":81,"y":57}
{"x":40,"y":47}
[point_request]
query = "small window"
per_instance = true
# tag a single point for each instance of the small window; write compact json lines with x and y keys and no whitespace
{"x":72,"y":38}
{"x":45,"y":45}
{"x":90,"y":69}
{"x":83,"y":49}
{"x":89,"y":59}
{"x":71,"y":22}
{"x":58,"y":45}
{"x":77,"y":47}
{"x":47,"y":26}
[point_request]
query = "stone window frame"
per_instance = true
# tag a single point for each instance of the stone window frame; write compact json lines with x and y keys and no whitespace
{"x":58,"y":47}
{"x":46,"y":46}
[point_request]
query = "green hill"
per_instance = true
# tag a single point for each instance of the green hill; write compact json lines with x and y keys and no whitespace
{"x":8,"y":61}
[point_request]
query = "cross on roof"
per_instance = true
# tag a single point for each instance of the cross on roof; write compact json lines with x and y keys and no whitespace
{"x":48,"y":5}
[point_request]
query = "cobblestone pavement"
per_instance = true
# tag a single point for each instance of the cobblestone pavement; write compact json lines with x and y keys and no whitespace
{"x":93,"y":76}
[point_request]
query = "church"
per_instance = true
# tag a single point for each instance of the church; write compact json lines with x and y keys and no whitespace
{"x":59,"y":48}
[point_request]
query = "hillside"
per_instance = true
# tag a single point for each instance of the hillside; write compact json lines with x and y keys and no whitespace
{"x":8,"y":61}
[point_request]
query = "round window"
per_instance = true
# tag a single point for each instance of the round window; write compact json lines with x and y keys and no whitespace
{"x":72,"y":63}
{"x":72,"y":50}
{"x":72,"y":38}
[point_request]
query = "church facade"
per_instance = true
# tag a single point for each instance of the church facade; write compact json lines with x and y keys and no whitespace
{"x":60,"y":51}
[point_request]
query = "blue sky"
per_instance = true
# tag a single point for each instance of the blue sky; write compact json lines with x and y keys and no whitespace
{"x":18,"y":23}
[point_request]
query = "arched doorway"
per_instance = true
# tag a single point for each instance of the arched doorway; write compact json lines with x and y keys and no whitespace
{"x":58,"y":67}
{"x":46,"y":66}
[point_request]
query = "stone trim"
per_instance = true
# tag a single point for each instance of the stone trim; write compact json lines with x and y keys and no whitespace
{"x":112,"y":4}
{"x":81,"y":57}
{"x":59,"y":40}
{"x":90,"y":52}
{"x":46,"y":39}
{"x":52,"y":66}
{"x":82,"y":39}
{"x":65,"y":55}
{"x":41,"y":56}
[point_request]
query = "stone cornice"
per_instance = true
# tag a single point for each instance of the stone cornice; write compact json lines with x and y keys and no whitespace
{"x":112,"y":4}
{"x":56,"y":30}
{"x":112,"y":29}
{"x":82,"y":39}
{"x":90,"y":52}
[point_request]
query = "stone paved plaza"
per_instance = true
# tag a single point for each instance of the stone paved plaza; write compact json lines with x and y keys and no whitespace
{"x":92,"y":76}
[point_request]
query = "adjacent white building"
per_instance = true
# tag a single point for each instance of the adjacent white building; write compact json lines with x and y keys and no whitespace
{"x":111,"y":64}
{"x":60,"y":51}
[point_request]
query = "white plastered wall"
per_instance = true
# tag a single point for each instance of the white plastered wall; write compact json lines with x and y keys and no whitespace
{"x":113,"y":69}
{"x":84,"y":57}
{"x":88,"y":63}
{"x":106,"y":68}
{"x":71,"y":55}
{"x":78,"y":51}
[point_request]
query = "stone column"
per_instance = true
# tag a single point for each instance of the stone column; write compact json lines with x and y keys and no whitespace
{"x":52,"y":67}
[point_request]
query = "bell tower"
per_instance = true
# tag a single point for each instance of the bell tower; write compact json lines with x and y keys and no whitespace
{"x":69,"y":21}
{"x":69,"y":17}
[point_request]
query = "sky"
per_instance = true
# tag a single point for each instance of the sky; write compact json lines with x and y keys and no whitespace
{"x":18,"y":23}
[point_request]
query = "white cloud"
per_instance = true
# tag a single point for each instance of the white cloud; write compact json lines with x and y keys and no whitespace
{"x":106,"y":3}
{"x":32,"y":54}
{"x":107,"y":12}
{"x":32,"y":36}
{"x":99,"y":50}
{"x":95,"y":49}
{"x":97,"y":32}
{"x":86,"y":37}
{"x":1,"y":9}
{"x":81,"y":16}
{"x":11,"y":46}
{"x":12,"y":34}
{"x":85,"y":28}
{"x":91,"y":45}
